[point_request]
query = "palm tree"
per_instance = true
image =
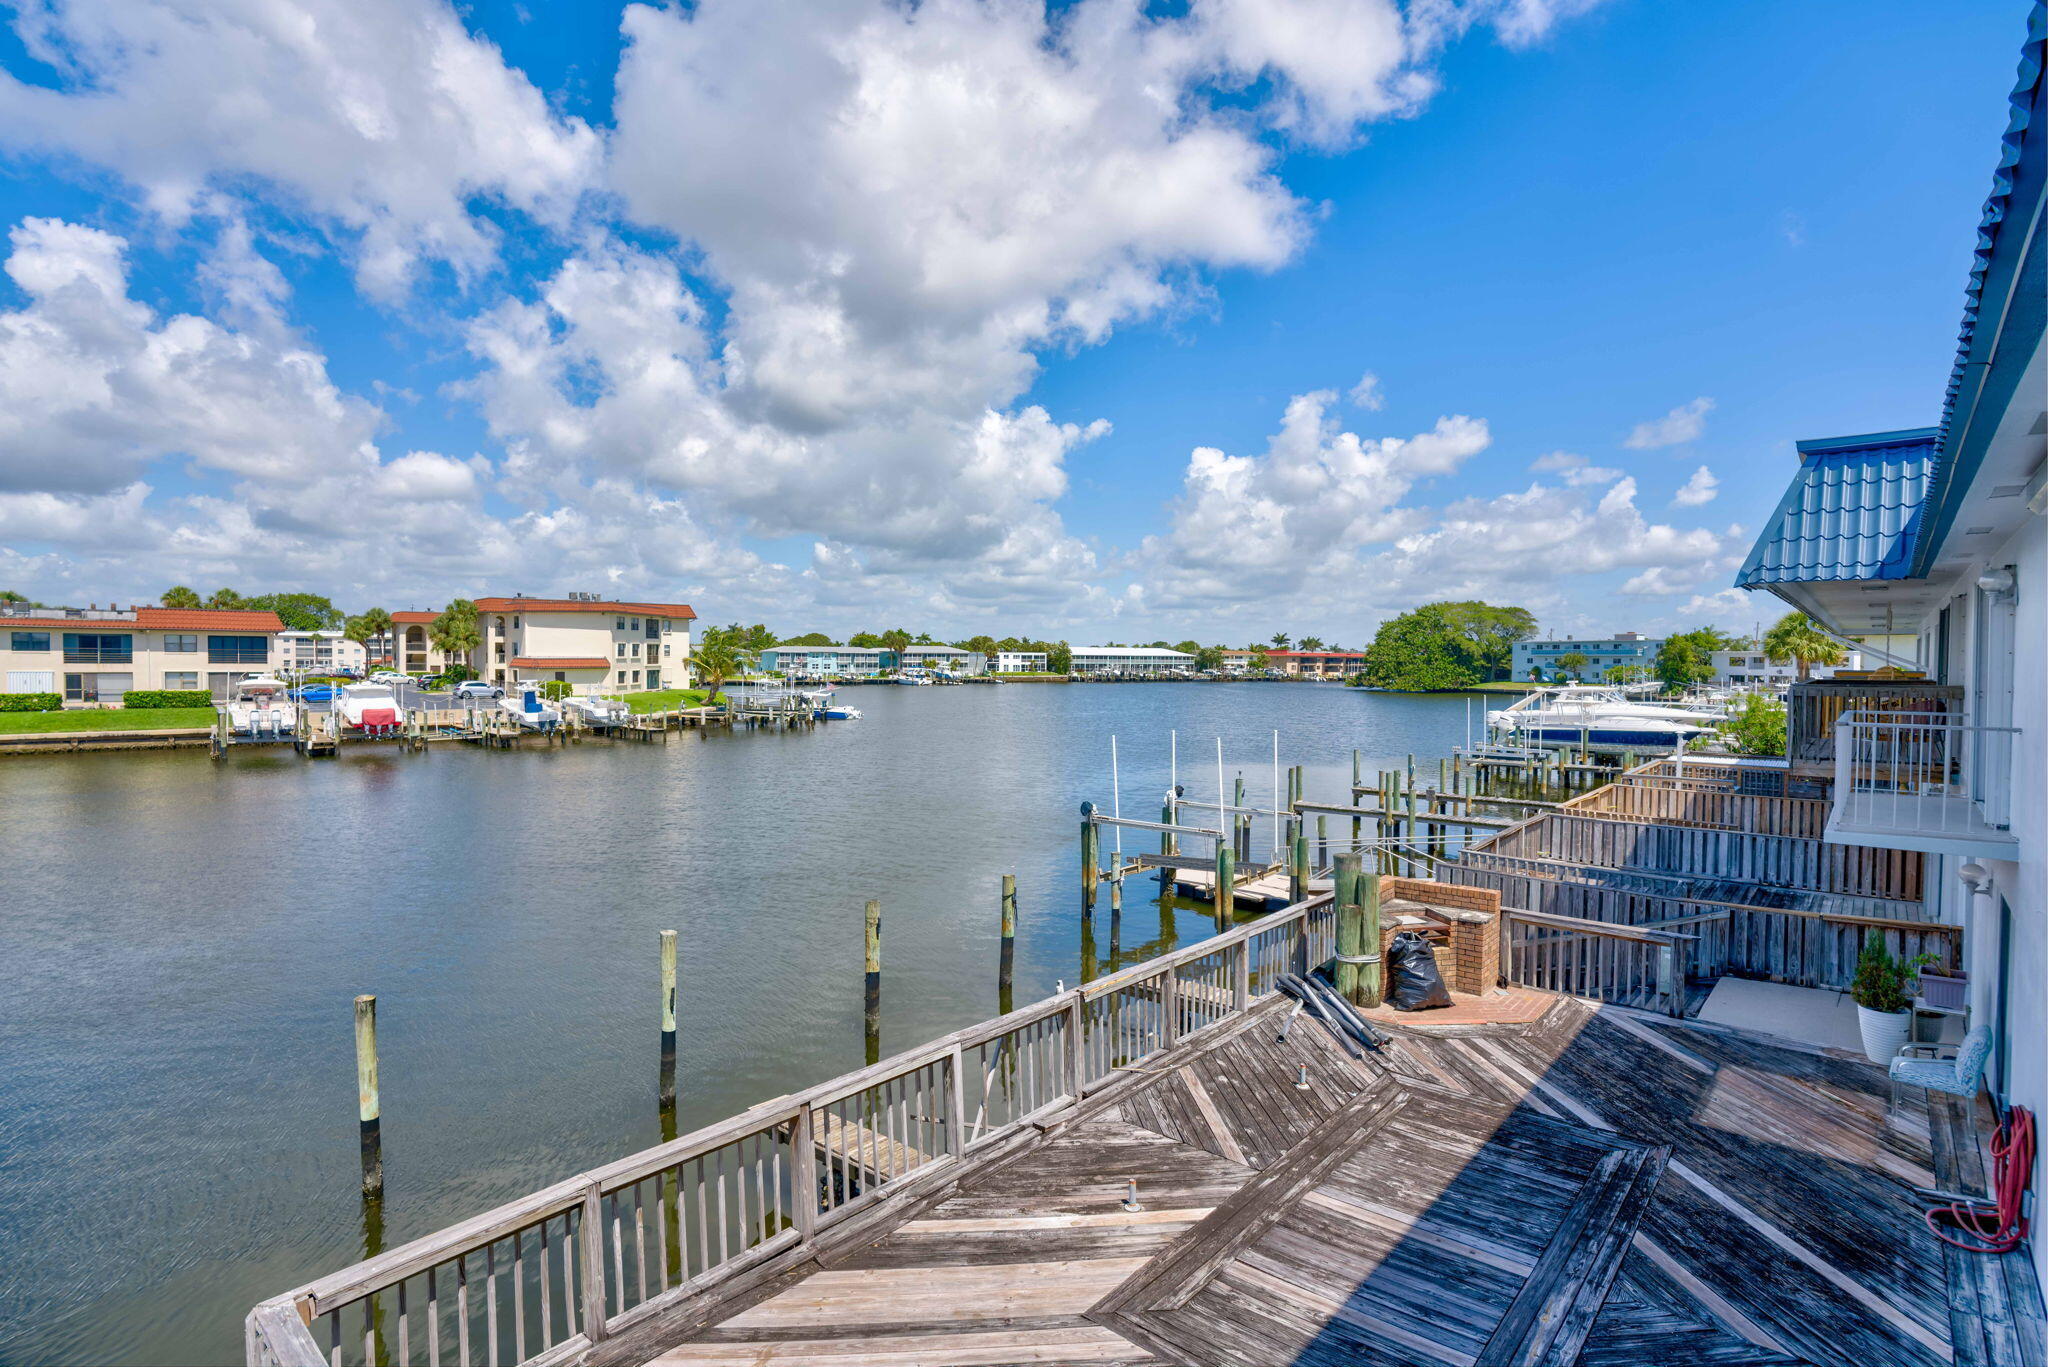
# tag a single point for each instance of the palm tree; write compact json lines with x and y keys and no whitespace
{"x":1280,"y":640}
{"x":224,"y":598}
{"x":715,"y":661}
{"x":456,"y":633}
{"x":1797,"y":637}
{"x":364,"y":628}
{"x":897,"y":641}
{"x":1311,"y":643}
{"x":182,"y":597}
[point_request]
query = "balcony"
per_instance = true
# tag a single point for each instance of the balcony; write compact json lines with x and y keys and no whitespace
{"x":1926,"y":781}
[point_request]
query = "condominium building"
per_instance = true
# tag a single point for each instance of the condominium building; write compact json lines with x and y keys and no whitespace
{"x":1020,"y":662}
{"x":596,"y":644}
{"x":320,"y":652}
{"x":1751,"y":667}
{"x":1602,"y":653}
{"x":950,"y":659}
{"x":1317,"y":664}
{"x":96,"y":656}
{"x":1129,"y":660}
{"x":827,"y":662}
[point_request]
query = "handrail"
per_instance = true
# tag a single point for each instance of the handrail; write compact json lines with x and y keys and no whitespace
{"x":1613,"y":930}
{"x":278,"y":1330}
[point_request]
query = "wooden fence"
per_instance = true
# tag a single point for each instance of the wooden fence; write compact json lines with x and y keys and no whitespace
{"x":1763,"y":780}
{"x":541,"y":1279}
{"x":1700,"y":852}
{"x":1684,"y":803}
{"x":1629,"y":965}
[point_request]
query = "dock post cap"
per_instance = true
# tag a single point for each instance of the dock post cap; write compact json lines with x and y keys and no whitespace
{"x":1087,"y":809}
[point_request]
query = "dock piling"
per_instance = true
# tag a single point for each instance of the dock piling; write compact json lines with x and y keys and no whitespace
{"x":1226,"y":884}
{"x":369,"y":1110}
{"x":668,"y":1018}
{"x":1008,"y":961}
{"x":872,"y":1013}
{"x":1350,"y":921}
{"x":1090,"y":860}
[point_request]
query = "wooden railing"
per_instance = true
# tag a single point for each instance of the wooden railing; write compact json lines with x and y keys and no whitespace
{"x":1680,"y":802}
{"x":1764,"y":780}
{"x":543,"y":1278}
{"x":1805,"y":946}
{"x":1700,"y":852}
{"x":1628,"y":965}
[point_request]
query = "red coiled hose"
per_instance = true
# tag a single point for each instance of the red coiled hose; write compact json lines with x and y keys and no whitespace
{"x":1998,"y":1228}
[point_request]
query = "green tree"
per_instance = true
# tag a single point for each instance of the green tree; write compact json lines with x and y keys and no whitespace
{"x":224,"y":598}
{"x":298,"y":611}
{"x":1419,"y":651}
{"x":896,"y":640}
{"x":1574,"y":663}
{"x":10,"y":596}
{"x":1059,"y":658}
{"x":809,"y":638}
{"x":1208,"y":658}
{"x":182,"y":597}
{"x":1757,"y":726}
{"x":1311,"y":643}
{"x":1688,"y":657}
{"x":457,"y":633}
{"x":1280,"y":640}
{"x":1188,"y":647}
{"x":866,"y":640}
{"x":715,"y":660}
{"x":1491,"y":633}
{"x":1626,"y":674}
{"x":982,"y":645}
{"x":365,"y":627}
{"x":1798,"y":638}
{"x":554,"y":690}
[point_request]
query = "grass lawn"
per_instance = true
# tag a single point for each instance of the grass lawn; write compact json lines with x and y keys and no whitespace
{"x":103,"y":719}
{"x":667,"y":699}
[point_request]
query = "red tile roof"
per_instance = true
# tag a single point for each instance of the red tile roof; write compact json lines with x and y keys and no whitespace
{"x":1315,"y":654}
{"x":415,"y":618}
{"x":560,"y":662}
{"x":156,"y":619}
{"x":681,"y":611}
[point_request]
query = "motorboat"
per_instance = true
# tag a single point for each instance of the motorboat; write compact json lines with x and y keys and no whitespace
{"x":1589,"y":714}
{"x":530,"y":709}
{"x":913,"y":680}
{"x":262,"y":706}
{"x":597,"y":711}
{"x":371,"y":708}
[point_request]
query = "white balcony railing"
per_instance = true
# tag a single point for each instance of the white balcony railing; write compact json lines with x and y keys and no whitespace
{"x":1927,"y":781}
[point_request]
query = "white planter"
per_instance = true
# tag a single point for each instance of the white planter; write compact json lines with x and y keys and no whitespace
{"x":1884,"y":1032}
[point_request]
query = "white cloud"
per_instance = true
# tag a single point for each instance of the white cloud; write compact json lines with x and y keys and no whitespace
{"x":1366,"y":394}
{"x":1574,"y":470}
{"x":1697,"y":490}
{"x":384,"y":116}
{"x":1682,"y":424}
{"x":95,"y":386}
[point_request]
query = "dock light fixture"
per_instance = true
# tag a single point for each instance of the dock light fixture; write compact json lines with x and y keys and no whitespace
{"x":1130,"y":1201}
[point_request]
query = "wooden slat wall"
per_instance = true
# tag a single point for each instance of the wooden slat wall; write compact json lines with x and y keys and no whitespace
{"x":1774,"y":860}
{"x":1684,"y":804}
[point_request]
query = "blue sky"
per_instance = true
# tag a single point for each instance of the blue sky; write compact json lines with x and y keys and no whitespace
{"x":964,"y":316}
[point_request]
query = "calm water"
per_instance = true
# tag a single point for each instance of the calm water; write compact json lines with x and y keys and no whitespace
{"x":184,"y":939}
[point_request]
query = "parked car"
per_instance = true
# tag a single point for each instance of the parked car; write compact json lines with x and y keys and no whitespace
{"x":316,"y":693}
{"x":477,"y":688}
{"x":389,"y":676}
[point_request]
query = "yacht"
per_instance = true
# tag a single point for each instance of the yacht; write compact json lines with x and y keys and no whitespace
{"x":262,"y":706}
{"x":1600,"y":716}
{"x":371,"y":708}
{"x":596,"y":710}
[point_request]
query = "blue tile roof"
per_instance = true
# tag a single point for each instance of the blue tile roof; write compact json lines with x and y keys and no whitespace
{"x":1852,"y":512}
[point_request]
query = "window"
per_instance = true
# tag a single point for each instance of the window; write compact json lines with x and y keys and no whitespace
{"x":635,"y":626}
{"x":181,"y":678}
{"x":86,"y":648}
{"x":636,"y":650}
{"x":636,"y":676}
{"x":181,"y":643}
{"x":237,"y":650}
{"x":619,"y":625}
{"x":622,"y":650}
{"x":31,"y":640}
{"x":664,"y":650}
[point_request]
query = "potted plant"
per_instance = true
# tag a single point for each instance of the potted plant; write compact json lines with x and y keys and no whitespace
{"x":1882,"y":998}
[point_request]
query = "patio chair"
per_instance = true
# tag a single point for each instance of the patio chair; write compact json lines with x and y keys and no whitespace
{"x":1956,"y":1069}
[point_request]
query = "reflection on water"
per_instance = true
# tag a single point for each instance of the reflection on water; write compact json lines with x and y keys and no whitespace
{"x":185,"y":938}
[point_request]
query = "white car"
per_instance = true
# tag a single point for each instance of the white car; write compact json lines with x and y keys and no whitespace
{"x":388,"y":676}
{"x":477,"y":688}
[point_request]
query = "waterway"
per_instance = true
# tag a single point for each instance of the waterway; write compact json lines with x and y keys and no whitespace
{"x":183,"y":940}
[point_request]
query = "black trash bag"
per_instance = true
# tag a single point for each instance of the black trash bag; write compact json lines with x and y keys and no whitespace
{"x":1417,"y":984}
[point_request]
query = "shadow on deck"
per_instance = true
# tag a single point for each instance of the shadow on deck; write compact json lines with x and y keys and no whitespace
{"x":1595,"y":1185}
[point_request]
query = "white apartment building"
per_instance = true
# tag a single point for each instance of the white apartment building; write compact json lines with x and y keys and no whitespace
{"x":1129,"y":660}
{"x":1751,"y":668}
{"x":825,"y":662}
{"x":1942,"y":532}
{"x":1020,"y":662}
{"x":596,"y":644}
{"x":95,"y":656}
{"x":320,"y":652}
{"x":951,"y":659}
